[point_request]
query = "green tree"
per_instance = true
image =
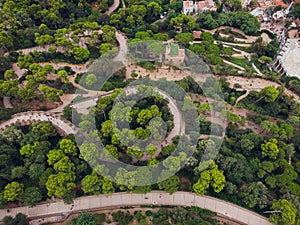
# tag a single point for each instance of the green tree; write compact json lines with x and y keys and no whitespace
{"x":10,"y":74}
{"x":287,"y":215}
{"x":54,"y":156}
{"x":184,"y":38}
{"x":51,"y":93}
{"x":151,"y":149}
{"x":296,"y":10}
{"x":18,"y":172}
{"x":68,"y":146}
{"x":32,"y":196}
{"x":105,"y":48}
{"x":109,"y":34}
{"x":254,"y":194}
{"x":170,"y":184}
{"x":184,"y":22}
{"x":60,"y":184}
{"x":80,"y":54}
{"x":91,"y":184}
{"x":134,"y":151}
{"x":90,"y":79}
{"x":20,"y":219}
{"x":13,"y":191}
{"x":86,"y":218}
{"x":63,"y":75}
{"x":209,"y":177}
{"x":270,"y":148}
{"x":269,"y":94}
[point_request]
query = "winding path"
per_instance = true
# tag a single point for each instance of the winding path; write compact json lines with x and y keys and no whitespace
{"x":26,"y":118}
{"x":116,"y":200}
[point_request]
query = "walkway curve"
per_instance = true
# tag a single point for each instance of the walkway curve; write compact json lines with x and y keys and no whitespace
{"x":91,"y":203}
{"x":26,"y":118}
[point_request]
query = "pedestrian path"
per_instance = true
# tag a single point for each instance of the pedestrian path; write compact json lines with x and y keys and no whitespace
{"x":226,"y":209}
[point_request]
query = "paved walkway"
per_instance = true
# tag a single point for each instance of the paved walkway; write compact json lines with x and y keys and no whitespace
{"x":27,"y":118}
{"x":235,"y":65}
{"x":257,"y":84}
{"x":232,"y":211}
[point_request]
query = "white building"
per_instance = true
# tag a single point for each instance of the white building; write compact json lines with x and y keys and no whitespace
{"x":288,"y":61}
{"x":190,"y":7}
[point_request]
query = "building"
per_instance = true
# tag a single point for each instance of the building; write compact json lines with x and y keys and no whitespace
{"x":190,"y":7}
{"x":197,"y":34}
{"x":288,"y":61}
{"x":257,"y":12}
{"x":174,"y":55}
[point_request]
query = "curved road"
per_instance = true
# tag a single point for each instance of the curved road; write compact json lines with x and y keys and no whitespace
{"x":226,"y":209}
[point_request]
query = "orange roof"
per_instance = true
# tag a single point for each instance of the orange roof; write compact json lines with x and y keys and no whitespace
{"x":200,"y":4}
{"x":188,"y":3}
{"x":280,"y":2}
{"x":197,"y":34}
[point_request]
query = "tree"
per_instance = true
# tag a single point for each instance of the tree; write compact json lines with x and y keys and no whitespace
{"x":10,"y":74}
{"x":60,"y":184}
{"x":287,"y":215}
{"x":90,"y":79}
{"x":184,"y":38}
{"x":13,"y":191}
{"x":86,"y":218}
{"x":18,"y":172}
{"x":153,"y":11}
{"x":134,"y":151}
{"x":207,"y":21}
{"x":25,"y":61}
{"x":107,"y":186}
{"x":36,"y":170}
{"x":184,"y":22}
{"x":105,"y":48}
{"x":63,"y":75}
{"x":43,"y":39}
{"x":91,"y":184}
{"x":151,"y":149}
{"x":54,"y":156}
{"x":32,"y":196}
{"x":51,"y":93}
{"x":255,"y":194}
{"x":68,"y":146}
{"x":64,"y":165}
{"x":80,"y":54}
{"x":109,"y":34}
{"x":170,"y":184}
{"x":269,"y":94}
{"x":270,"y":148}
{"x":233,"y":5}
{"x":296,"y":10}
{"x":20,"y":219}
{"x":5,"y":41}
{"x":209,"y":177}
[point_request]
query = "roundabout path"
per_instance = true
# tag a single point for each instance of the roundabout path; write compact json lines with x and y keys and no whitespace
{"x":90,"y":203}
{"x":27,"y":118}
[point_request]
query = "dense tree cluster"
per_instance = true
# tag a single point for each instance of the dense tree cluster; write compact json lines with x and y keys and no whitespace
{"x":242,"y":20}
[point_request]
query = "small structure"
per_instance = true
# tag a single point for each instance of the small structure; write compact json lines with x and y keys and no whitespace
{"x":257,"y":12}
{"x":174,"y":55}
{"x":288,"y":60}
{"x":190,"y":7}
{"x":197,"y":34}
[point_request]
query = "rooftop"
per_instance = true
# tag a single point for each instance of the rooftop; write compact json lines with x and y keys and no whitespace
{"x":174,"y":48}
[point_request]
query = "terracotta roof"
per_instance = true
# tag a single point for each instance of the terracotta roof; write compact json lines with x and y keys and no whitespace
{"x":197,"y":34}
{"x":201,"y":4}
{"x":188,"y":3}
